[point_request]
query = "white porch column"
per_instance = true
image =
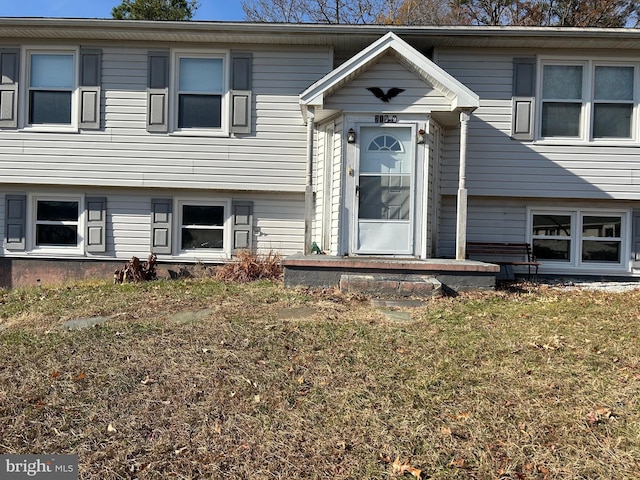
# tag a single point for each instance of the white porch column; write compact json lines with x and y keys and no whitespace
{"x":308,"y":191}
{"x":461,"y":219}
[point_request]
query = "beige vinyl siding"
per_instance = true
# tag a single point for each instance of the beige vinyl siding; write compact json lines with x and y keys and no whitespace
{"x":123,"y":153}
{"x":500,"y":166}
{"x":418,"y":96}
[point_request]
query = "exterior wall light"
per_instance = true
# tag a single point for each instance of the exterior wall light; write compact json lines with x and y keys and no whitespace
{"x":351,"y":136}
{"x":420,"y":138}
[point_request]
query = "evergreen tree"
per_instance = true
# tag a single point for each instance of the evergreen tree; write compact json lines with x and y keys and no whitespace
{"x":178,"y":10}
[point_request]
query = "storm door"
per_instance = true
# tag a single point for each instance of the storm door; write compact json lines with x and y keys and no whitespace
{"x":385,"y":191}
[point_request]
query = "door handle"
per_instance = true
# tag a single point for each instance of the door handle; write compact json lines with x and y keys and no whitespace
{"x":357,"y":190}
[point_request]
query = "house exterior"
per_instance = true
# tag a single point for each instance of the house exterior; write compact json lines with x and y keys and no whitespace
{"x":192,"y":140}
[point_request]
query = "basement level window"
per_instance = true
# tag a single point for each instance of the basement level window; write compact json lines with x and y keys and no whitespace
{"x":579,"y":238}
{"x":57,"y":223}
{"x":202,"y":227}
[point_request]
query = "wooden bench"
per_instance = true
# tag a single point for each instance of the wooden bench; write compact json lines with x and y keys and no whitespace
{"x":514,"y":254}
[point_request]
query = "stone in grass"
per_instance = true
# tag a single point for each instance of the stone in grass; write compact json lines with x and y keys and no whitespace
{"x":80,"y":323}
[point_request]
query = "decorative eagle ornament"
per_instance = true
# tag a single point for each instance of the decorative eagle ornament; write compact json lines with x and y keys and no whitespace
{"x":385,"y":97}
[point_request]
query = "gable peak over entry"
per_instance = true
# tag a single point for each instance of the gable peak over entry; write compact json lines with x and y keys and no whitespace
{"x":460,"y":97}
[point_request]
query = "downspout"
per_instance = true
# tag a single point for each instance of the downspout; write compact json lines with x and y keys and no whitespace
{"x":461,"y":219}
{"x":308,"y":191}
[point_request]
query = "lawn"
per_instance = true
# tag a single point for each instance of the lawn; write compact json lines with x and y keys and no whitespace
{"x":268,"y":383}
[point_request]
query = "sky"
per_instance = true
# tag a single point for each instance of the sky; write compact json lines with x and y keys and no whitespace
{"x":223,"y":10}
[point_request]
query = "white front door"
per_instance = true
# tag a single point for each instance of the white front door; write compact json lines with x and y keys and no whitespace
{"x":385,"y":191}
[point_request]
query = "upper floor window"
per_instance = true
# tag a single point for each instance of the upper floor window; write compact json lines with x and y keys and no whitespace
{"x":51,"y":86}
{"x":587,"y":100}
{"x":200,"y":92}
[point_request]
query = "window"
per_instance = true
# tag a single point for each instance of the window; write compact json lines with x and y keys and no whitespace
{"x":200,"y":87}
{"x":199,"y":92}
{"x":552,"y":237}
{"x":51,"y":86}
{"x":578,"y":238}
{"x":202,"y":227}
{"x":56,"y":223}
{"x":587,"y":100}
{"x":601,"y":241}
{"x":613,"y":102}
{"x":561,"y":100}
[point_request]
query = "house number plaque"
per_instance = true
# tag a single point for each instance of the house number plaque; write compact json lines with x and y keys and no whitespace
{"x":385,"y":118}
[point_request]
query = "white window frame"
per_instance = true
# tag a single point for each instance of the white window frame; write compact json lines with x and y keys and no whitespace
{"x":576,"y":238}
{"x":204,"y":253}
{"x":588,"y":99}
{"x":26,"y":89}
{"x":223,"y":55}
{"x":32,"y":221}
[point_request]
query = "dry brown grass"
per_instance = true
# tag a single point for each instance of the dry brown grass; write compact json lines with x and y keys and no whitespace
{"x":249,"y":266}
{"x":274,"y":384}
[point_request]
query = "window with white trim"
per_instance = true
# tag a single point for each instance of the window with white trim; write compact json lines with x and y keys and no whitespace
{"x":57,"y":223}
{"x":578,"y":237}
{"x":588,"y":100}
{"x":51,"y":86}
{"x":200,"y":89}
{"x":202,"y":226}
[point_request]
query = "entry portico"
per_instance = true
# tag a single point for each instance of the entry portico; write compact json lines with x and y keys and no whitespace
{"x":375,"y":132}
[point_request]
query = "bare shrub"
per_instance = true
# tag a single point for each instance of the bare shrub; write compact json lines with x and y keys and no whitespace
{"x":249,"y":266}
{"x":137,"y":271}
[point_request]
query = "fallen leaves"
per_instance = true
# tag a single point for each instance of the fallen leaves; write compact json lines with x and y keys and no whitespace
{"x":599,"y":415}
{"x":400,"y":468}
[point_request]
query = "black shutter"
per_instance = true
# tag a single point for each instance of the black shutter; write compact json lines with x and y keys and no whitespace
{"x":90,"y":80}
{"x":241,"y":78}
{"x":9,"y":74}
{"x":95,"y":240}
{"x":158,"y":92}
{"x":242,"y":215}
{"x":15,"y":222}
{"x":161,"y":219}
{"x":523,"y":101}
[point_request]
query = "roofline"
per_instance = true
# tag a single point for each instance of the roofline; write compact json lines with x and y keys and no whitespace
{"x":71,"y":28}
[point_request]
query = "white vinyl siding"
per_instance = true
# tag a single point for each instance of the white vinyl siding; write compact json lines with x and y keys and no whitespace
{"x":433,"y":194}
{"x":417,"y":97}
{"x":337,"y":193}
{"x":499,"y":166}
{"x":508,"y":220}
{"x":278,"y":222}
{"x":124,"y":154}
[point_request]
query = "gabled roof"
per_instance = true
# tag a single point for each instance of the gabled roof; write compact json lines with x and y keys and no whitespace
{"x":458,"y":94}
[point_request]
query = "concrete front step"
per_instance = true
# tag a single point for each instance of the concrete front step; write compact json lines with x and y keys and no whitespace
{"x":391,"y":285}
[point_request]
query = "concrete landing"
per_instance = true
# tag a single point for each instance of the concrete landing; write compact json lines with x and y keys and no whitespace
{"x":326,"y":271}
{"x":389,"y":285}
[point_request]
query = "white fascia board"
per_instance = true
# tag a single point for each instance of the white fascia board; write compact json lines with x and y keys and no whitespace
{"x":315,"y":92}
{"x":459,"y":94}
